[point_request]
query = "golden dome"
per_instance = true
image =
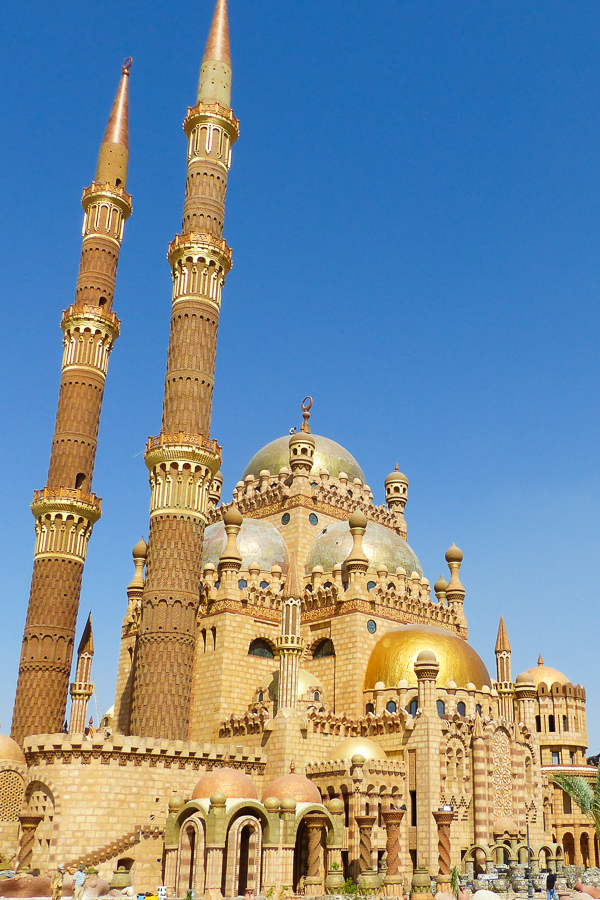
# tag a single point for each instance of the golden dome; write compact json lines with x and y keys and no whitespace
{"x":10,"y":750}
{"x":546,"y":675}
{"x":394,"y":656}
{"x":353,"y":745}
{"x":328,"y":455}
{"x":306,"y":682}
{"x":231,"y":782}
{"x":296,"y":786}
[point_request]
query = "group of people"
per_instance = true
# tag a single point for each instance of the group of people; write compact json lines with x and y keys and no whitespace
{"x":57,"y":881}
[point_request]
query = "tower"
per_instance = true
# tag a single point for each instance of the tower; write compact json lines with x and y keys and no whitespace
{"x":82,"y":688}
{"x":65,"y":510}
{"x":504,"y":685}
{"x":182,"y":460}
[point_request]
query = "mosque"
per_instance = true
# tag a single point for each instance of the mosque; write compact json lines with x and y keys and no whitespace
{"x":295,"y":704}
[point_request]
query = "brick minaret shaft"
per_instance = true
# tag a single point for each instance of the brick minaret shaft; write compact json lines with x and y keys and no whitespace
{"x":66,"y":510}
{"x":182,"y":460}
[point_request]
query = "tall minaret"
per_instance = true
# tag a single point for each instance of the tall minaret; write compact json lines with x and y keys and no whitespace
{"x":83,"y":687}
{"x":504,"y":685}
{"x":182,"y":460}
{"x":65,"y":510}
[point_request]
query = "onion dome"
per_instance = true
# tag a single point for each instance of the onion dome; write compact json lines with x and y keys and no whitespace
{"x":296,"y":786}
{"x":440,"y":586}
{"x":258,"y":542}
{"x":328,"y":455}
{"x":542,"y":674}
{"x":454,"y":555}
{"x":306,"y":682}
{"x":381,"y":546}
{"x":361,"y":746}
{"x":395,"y":654}
{"x":233,"y":783}
{"x":140,"y":551}
{"x":10,"y":750}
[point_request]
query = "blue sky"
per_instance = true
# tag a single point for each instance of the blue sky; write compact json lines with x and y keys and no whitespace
{"x":413,"y":208}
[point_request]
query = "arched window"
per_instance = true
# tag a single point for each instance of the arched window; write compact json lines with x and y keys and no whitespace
{"x":261,"y":696}
{"x":441,"y":708}
{"x":478,"y":709}
{"x":324,"y":648}
{"x":260,"y":647}
{"x":316,"y":696}
{"x":538,"y":723}
{"x":413,"y":706}
{"x":370,"y":708}
{"x":391,"y":706}
{"x":461,"y":709}
{"x":551,"y":723}
{"x":79,"y":479}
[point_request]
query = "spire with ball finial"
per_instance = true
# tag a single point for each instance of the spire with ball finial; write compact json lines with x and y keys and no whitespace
{"x":215,"y":72}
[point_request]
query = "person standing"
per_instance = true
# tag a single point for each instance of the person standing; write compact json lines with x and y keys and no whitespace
{"x":56,"y":882}
{"x":550,"y":886}
{"x":78,"y":882}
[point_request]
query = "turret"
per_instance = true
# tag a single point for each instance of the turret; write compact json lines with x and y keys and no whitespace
{"x":290,"y":645}
{"x":183,"y":460}
{"x":66,"y":509}
{"x":455,"y":592}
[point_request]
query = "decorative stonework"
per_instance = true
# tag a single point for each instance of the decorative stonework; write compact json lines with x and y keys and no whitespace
{"x":502,"y":775}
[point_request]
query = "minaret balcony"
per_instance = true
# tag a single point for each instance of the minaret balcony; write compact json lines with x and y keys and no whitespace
{"x":200,"y":245}
{"x":208,"y":112}
{"x":112,"y":192}
{"x":67,"y":501}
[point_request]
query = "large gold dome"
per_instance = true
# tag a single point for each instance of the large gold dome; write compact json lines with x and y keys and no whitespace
{"x":328,"y":455}
{"x":394,"y":655}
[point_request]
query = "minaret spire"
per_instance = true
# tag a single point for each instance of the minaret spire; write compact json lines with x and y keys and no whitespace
{"x":215,"y":73}
{"x":200,"y":261}
{"x":66,"y":509}
{"x":113,"y":158}
{"x":504,"y":684}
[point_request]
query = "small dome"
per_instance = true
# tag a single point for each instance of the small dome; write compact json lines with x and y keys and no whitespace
{"x":328,"y":455}
{"x":140,"y":551}
{"x":525,"y":678}
{"x":396,"y":476}
{"x":454,"y":554}
{"x":306,"y":682}
{"x":10,"y":750}
{"x":176,"y":803}
{"x":394,"y":656}
{"x":505,"y":825}
{"x":358,"y":519}
{"x":381,"y":546}
{"x":546,"y":675}
{"x":352,"y":746}
{"x":233,"y":516}
{"x":426,"y":656}
{"x":440,"y":585}
{"x":258,"y":542}
{"x":296,"y":786}
{"x":231,"y":782}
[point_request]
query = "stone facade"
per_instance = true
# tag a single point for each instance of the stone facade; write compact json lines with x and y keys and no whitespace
{"x":294,"y":703}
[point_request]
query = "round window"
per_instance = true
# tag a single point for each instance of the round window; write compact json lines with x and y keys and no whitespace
{"x":371,"y":626}
{"x":285,"y":519}
{"x":313,"y":519}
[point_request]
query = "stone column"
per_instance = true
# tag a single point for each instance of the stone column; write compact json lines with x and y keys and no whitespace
{"x":214,"y":869}
{"x":443,"y":820}
{"x":314,"y":878}
{"x":170,"y":869}
{"x":28,"y":827}
{"x":365,"y":825}
{"x":392,"y":820}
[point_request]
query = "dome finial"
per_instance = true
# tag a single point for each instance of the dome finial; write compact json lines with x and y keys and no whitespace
{"x":113,"y":158}
{"x":540,"y":660}
{"x":306,"y":407}
{"x":397,"y":469}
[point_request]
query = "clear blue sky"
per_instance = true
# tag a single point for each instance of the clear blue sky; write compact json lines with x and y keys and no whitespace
{"x":413,"y":208}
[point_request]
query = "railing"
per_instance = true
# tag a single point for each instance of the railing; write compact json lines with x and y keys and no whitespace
{"x":215,"y":108}
{"x":182,"y":438}
{"x":183,"y":240}
{"x":105,"y":188}
{"x":65,"y":494}
{"x":86,"y":310}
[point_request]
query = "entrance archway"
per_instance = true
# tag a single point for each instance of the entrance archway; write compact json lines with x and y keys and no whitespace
{"x":568,"y":843}
{"x":244,"y":849}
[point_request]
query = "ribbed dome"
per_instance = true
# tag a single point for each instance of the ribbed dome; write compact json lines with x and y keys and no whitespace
{"x":231,"y":782}
{"x":353,"y":745}
{"x":296,"y":786}
{"x":258,"y":542}
{"x":10,"y":750}
{"x":394,"y":656}
{"x":328,"y":455}
{"x":381,"y":546}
